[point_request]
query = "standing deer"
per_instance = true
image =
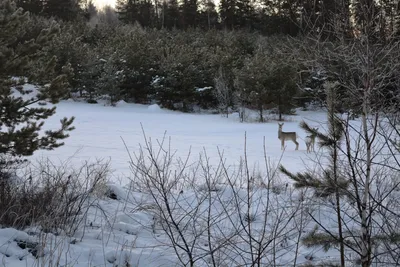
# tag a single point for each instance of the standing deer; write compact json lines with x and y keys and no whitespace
{"x":283,"y":136}
{"x":310,"y":141}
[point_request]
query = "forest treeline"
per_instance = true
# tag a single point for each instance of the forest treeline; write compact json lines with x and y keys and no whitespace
{"x":193,"y":55}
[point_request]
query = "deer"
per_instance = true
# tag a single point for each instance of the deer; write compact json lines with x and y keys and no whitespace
{"x":310,"y":141}
{"x":283,"y":136}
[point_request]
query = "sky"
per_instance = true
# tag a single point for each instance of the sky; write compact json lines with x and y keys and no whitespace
{"x":102,"y":3}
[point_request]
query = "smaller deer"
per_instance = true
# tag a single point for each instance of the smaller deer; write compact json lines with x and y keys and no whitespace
{"x":310,"y":141}
{"x":283,"y":136}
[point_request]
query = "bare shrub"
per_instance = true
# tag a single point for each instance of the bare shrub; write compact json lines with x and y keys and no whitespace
{"x":223,"y":93}
{"x":54,"y":198}
{"x":214,"y":215}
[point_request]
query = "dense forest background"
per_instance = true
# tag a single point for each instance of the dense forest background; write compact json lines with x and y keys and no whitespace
{"x":192,"y":55}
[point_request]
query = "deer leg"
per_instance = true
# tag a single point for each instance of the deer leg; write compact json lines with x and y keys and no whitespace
{"x":282,"y":144}
{"x":297,"y":144}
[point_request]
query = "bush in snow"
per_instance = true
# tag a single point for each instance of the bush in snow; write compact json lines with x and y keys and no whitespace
{"x":54,"y":198}
{"x":231,"y":216}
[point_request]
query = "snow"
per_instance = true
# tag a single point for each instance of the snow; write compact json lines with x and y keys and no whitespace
{"x":154,"y":108}
{"x":203,"y":89}
{"x":121,"y":103}
{"x":127,"y":229}
{"x":100,"y":130}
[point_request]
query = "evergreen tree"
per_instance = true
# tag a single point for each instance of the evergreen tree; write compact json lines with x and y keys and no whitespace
{"x":147,"y":16}
{"x":170,"y":14}
{"x":237,"y":14}
{"x":132,"y":11}
{"x":33,"y":6}
{"x":21,"y":120}
{"x":330,"y":184}
{"x":110,"y":81}
{"x":227,"y":11}
{"x":245,"y":14}
{"x":125,"y":10}
{"x":267,"y":85}
{"x":189,"y":13}
{"x":208,"y":17}
{"x":90,"y":10}
{"x":63,"y":9}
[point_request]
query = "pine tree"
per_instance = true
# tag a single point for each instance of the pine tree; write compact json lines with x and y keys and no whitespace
{"x":330,"y":184}
{"x":245,"y":14}
{"x":63,"y":9}
{"x":171,"y":14}
{"x":227,"y":11}
{"x":212,"y":14}
{"x":33,"y":6}
{"x":135,"y":11}
{"x":109,"y":82}
{"x":21,"y":120}
{"x":189,"y":13}
{"x":122,"y":7}
{"x":147,"y":16}
{"x":90,"y":10}
{"x":267,"y":85}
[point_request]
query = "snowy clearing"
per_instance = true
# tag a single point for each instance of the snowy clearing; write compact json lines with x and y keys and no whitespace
{"x":100,"y":130}
{"x":127,"y":231}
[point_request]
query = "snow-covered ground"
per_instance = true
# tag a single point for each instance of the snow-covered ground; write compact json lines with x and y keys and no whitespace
{"x":123,"y":230}
{"x":100,"y":130}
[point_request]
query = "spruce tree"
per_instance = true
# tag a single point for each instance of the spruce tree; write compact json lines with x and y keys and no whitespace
{"x":21,"y":119}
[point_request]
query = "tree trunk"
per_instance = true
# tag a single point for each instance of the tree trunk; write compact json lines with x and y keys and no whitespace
{"x":338,"y":206}
{"x":279,"y":108}
{"x":365,"y":230}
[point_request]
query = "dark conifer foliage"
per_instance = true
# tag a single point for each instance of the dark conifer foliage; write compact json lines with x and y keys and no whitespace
{"x":228,"y":13}
{"x":170,"y":14}
{"x":137,"y":11}
{"x":208,"y":15}
{"x":20,"y":119}
{"x":33,"y":6}
{"x":164,"y":51}
{"x":62,"y":9}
